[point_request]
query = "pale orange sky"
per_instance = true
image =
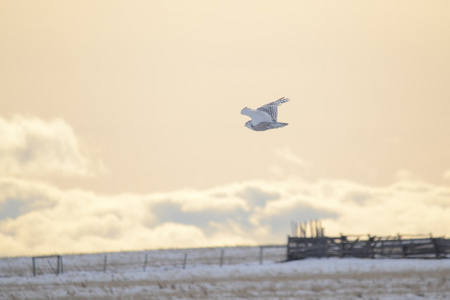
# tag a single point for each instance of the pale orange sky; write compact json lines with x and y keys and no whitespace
{"x":144,"y":97}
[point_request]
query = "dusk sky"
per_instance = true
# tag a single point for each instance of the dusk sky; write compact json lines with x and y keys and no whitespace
{"x":120,"y":124}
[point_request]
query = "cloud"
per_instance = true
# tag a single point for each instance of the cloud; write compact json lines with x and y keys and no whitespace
{"x":31,"y":146}
{"x":47,"y":219}
{"x":446,"y":175}
{"x":287,"y":154}
{"x":257,"y":196}
{"x":404,"y":174}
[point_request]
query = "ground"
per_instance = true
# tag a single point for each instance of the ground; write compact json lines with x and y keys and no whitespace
{"x":238,"y":274}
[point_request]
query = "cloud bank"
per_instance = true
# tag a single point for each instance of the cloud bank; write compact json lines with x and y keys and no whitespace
{"x":51,"y":220}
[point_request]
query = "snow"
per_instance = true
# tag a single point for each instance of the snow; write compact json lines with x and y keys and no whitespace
{"x":240,"y":276}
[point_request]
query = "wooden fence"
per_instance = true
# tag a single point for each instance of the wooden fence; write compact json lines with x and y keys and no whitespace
{"x":367,"y":247}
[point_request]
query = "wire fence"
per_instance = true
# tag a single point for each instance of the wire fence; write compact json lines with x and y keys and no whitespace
{"x":140,"y":261}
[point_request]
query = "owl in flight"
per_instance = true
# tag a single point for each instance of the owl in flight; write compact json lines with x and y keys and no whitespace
{"x":265,"y":117}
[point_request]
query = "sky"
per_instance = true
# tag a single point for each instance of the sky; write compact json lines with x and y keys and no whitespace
{"x":120,"y":124}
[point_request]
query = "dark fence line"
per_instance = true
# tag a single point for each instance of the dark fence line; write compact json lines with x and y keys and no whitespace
{"x":152,"y":260}
{"x":368,"y":247}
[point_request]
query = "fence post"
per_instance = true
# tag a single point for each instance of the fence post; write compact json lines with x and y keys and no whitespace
{"x":104,"y":264}
{"x":145,"y":262}
{"x":184,"y":261}
{"x":261,"y":250}
{"x":436,"y":247}
{"x":34,"y":267}
{"x":58,"y":265}
{"x":343,"y":239}
{"x":287,"y":248}
{"x":221,"y":257}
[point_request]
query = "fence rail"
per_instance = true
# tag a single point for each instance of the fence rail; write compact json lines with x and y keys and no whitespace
{"x":141,"y":261}
{"x":369,"y":247}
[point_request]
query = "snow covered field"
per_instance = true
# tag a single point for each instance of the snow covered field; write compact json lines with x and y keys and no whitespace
{"x":238,"y":274}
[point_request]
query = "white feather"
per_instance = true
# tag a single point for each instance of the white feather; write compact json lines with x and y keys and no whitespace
{"x":256,"y":115}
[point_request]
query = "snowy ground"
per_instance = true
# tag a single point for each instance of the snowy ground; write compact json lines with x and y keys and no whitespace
{"x":241,"y":276}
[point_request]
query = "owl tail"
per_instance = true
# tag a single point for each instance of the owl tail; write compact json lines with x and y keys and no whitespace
{"x":277,"y":125}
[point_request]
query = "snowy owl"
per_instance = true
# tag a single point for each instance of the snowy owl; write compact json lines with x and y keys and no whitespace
{"x":265,"y":117}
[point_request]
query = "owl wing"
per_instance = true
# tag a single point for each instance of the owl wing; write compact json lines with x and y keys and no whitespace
{"x":272,"y":108}
{"x":257,"y":116}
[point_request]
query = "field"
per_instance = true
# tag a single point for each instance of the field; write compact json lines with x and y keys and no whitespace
{"x":222,"y":273}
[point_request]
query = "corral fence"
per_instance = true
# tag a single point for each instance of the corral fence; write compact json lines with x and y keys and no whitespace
{"x":141,"y":261}
{"x":368,"y":247}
